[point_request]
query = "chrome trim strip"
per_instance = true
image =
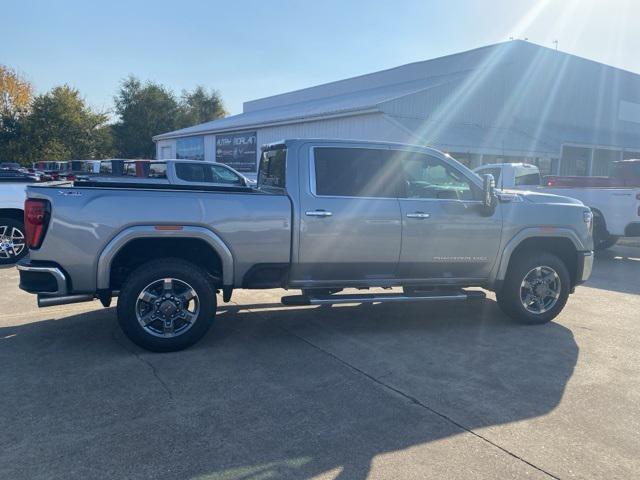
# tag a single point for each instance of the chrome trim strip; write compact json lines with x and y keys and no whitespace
{"x":382,"y":298}
{"x":61,"y":280}
{"x":587,"y":265}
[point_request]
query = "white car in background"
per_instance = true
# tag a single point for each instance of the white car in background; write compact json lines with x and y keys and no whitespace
{"x":616,"y":211}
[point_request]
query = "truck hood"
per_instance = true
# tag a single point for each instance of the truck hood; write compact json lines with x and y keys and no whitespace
{"x":544,"y":198}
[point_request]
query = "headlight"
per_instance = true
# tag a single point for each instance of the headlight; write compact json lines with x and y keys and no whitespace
{"x":588,"y":219}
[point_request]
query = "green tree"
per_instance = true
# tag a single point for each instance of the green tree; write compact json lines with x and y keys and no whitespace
{"x":144,"y":110}
{"x":200,"y":106}
{"x":148,"y":109}
{"x":16,"y":95}
{"x":61,"y":126}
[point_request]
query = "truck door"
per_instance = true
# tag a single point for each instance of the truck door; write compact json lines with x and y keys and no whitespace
{"x":444,"y":232}
{"x":349,"y":217}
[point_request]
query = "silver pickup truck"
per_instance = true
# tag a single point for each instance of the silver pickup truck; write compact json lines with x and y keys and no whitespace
{"x":325,"y":215}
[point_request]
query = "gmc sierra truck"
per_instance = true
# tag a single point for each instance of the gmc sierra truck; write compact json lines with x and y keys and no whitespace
{"x":325,"y":215}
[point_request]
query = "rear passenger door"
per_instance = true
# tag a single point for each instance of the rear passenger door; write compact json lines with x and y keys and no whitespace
{"x":350,"y":217}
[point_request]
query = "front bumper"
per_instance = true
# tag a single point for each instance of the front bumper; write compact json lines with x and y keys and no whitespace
{"x":585,"y":266}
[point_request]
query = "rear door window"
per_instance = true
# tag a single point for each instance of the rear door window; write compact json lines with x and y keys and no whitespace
{"x":355,"y":172}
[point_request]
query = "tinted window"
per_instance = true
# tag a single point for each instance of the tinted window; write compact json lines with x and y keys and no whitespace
{"x":272,"y":169}
{"x":355,"y":172}
{"x":220,"y":174}
{"x":430,"y":177}
{"x":190,"y":172}
{"x":528,"y":179}
{"x":206,"y":173}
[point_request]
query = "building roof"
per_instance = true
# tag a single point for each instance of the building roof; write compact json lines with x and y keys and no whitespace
{"x":476,"y":96}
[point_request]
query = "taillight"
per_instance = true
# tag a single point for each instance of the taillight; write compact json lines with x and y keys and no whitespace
{"x":36,"y":220}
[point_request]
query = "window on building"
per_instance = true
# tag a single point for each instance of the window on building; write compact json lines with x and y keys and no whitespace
{"x":602,"y":160}
{"x":575,"y":161}
{"x":629,"y":155}
{"x":355,"y":172}
{"x":190,"y":148}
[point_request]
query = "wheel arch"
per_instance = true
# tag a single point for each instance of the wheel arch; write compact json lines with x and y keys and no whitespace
{"x":147,"y":235}
{"x":562,"y":242}
{"x":13,"y":213}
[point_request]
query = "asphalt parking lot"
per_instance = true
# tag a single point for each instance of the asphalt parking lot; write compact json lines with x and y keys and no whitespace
{"x":350,"y":392}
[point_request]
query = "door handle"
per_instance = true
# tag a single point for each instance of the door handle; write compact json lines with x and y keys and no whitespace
{"x":418,"y":215}
{"x":318,"y":213}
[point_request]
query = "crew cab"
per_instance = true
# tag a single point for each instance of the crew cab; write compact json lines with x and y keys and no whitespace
{"x":325,"y":215}
{"x":616,"y":210}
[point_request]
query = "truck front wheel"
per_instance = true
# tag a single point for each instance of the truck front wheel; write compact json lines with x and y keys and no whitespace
{"x":166,"y":305}
{"x":536,"y":288}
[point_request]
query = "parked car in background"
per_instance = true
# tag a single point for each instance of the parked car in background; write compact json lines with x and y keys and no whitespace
{"x":616,"y":210}
{"x":12,"y":233}
{"x":517,"y":174}
{"x":173,"y":172}
{"x":623,"y":173}
{"x":325,"y":215}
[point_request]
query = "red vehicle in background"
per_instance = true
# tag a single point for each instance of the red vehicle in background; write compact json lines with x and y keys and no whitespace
{"x":623,"y":173}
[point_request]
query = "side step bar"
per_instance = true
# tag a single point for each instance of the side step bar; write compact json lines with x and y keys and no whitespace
{"x":435,"y":295}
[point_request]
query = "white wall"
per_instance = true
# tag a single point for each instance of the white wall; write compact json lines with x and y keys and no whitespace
{"x":165,"y":143}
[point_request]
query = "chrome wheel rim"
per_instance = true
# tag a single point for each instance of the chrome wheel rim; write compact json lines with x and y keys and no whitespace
{"x":12,"y":242}
{"x":167,"y":307}
{"x":540,"y":290}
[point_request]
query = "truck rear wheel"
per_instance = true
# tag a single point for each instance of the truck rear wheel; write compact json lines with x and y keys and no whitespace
{"x":166,"y":305}
{"x":535,"y":289}
{"x":13,"y":244}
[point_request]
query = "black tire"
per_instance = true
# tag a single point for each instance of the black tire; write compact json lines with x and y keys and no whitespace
{"x":601,"y":237}
{"x":8,"y":228}
{"x":604,"y":242}
{"x":509,"y":297}
{"x":152,"y":272}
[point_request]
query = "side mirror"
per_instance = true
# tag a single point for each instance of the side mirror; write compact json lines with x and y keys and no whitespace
{"x":488,"y":192}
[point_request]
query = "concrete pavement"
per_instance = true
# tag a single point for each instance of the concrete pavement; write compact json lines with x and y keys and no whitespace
{"x":350,"y":392}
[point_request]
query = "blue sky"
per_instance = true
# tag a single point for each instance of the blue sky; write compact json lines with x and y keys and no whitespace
{"x":250,"y":49}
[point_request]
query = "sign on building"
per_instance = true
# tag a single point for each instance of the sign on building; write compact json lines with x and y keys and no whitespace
{"x":238,"y":150}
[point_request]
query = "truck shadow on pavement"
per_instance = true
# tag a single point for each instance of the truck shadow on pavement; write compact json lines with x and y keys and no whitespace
{"x":617,"y":270}
{"x":274,"y":392}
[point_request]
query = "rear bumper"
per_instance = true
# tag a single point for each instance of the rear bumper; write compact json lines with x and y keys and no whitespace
{"x":585,"y":266}
{"x":632,"y":230}
{"x":49,"y":282}
{"x":42,"y":278}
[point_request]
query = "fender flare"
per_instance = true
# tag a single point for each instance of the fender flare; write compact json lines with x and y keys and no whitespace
{"x":149,"y":231}
{"x":532,"y":232}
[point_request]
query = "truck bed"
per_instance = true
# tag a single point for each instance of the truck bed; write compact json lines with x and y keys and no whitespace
{"x":255,"y":226}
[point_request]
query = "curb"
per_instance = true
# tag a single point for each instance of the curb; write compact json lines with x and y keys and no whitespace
{"x":629,"y":242}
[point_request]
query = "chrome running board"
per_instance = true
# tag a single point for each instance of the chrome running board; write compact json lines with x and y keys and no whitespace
{"x":436,"y":295}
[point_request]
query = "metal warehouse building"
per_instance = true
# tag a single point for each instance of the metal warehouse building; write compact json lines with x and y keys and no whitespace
{"x":513,"y":101}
